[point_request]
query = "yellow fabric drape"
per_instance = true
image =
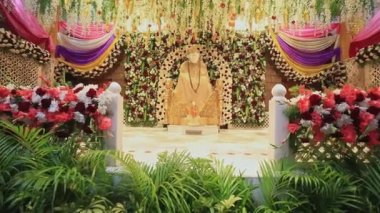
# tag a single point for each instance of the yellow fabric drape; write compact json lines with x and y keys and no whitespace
{"x":303,"y":70}
{"x":307,"y":44}
{"x":92,"y":65}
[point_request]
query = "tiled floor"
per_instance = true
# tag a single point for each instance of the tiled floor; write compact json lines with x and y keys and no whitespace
{"x":244,"y":149}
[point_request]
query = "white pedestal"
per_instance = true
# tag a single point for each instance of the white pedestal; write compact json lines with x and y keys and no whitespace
{"x":193,"y":130}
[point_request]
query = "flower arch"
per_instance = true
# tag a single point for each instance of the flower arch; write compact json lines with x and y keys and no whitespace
{"x":213,"y":59}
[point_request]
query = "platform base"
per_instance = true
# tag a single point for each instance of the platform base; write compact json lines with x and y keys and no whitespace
{"x":193,"y":130}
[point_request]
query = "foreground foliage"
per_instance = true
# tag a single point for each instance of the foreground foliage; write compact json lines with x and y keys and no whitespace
{"x":40,"y":173}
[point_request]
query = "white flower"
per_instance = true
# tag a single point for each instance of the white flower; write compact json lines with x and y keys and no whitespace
{"x":53,"y":106}
{"x":306,"y":123}
{"x":342,"y":107}
{"x":41,"y":117}
{"x":10,"y":86}
{"x":78,"y":86}
{"x":36,"y":98}
{"x":373,"y":125}
{"x":321,"y":110}
{"x":79,"y":117}
{"x":344,"y":120}
{"x":14,"y":107}
{"x":328,"y":129}
{"x":62,"y":95}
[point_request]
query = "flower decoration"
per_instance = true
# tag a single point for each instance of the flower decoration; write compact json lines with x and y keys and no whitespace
{"x":61,"y":108}
{"x":16,"y":45}
{"x":242,"y":54}
{"x":350,"y":115}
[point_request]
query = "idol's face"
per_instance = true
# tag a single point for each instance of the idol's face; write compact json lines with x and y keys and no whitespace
{"x":194,"y":57}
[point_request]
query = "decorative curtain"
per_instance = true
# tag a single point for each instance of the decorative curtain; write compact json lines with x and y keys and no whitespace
{"x":25,"y":24}
{"x":313,"y":32}
{"x":93,"y":31}
{"x":368,"y":36}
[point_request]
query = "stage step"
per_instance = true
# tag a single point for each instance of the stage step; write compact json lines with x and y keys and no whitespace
{"x":193,"y":130}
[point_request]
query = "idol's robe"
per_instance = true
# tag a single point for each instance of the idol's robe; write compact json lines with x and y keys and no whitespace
{"x":190,"y":107}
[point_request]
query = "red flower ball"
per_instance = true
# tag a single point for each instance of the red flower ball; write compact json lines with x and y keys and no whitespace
{"x":315,"y":100}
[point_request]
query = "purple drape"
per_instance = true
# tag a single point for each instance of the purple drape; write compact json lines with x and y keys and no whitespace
{"x":312,"y":59}
{"x":76,"y":57}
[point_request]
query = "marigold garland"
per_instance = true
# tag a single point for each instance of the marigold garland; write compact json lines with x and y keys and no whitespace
{"x":16,"y":45}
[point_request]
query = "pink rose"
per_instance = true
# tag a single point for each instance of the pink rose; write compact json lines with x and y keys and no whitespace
{"x":317,"y":119}
{"x":70,"y":96}
{"x":293,"y":127}
{"x":303,"y":105}
{"x":375,"y":103}
{"x":104,"y":123}
{"x":54,"y":92}
{"x":329,"y":101}
{"x":62,"y":117}
{"x":349,"y":133}
{"x":303,"y":91}
{"x":26,"y":94}
{"x":365,"y":119}
{"x":4,"y":92}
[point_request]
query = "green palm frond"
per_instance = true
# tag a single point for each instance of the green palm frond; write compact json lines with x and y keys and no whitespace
{"x":371,"y":184}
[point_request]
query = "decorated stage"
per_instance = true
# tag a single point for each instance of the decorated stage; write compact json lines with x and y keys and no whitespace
{"x":242,"y":148}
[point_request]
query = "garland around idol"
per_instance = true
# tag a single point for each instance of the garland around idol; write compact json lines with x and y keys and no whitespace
{"x":16,"y":45}
{"x":110,"y":61}
{"x":336,"y":75}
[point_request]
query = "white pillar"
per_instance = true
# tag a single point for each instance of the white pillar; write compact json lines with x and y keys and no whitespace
{"x":116,"y":112}
{"x":278,"y":122}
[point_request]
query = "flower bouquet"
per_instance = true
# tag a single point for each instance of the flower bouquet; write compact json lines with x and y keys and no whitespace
{"x":334,"y":124}
{"x":60,"y":109}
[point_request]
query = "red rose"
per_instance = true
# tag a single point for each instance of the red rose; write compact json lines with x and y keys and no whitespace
{"x":62,"y":117}
{"x":26,"y":94}
{"x":316,"y":118}
{"x":32,"y":114}
{"x":4,"y":92}
{"x":329,"y":101}
{"x":318,"y":136}
{"x":92,"y":108}
{"x":5,"y":108}
{"x":293,"y":127}
{"x":104,"y":123}
{"x":374,"y":138}
{"x":365,"y":118}
{"x":70,"y":96}
{"x":375,"y":103}
{"x":303,"y":91}
{"x":45,"y":103}
{"x":54,"y":92}
{"x":91,"y":93}
{"x":303,"y":105}
{"x":315,"y":100}
{"x":41,"y":92}
{"x":24,"y":106}
{"x":374,"y":93}
{"x":349,"y":133}
{"x":80,"y":107}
